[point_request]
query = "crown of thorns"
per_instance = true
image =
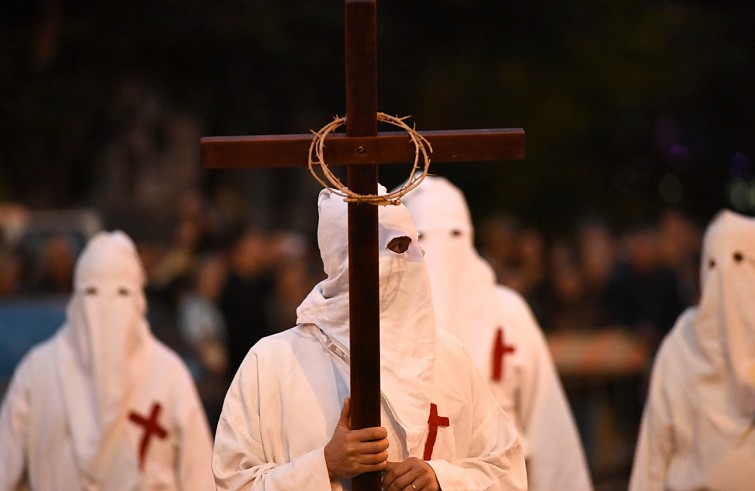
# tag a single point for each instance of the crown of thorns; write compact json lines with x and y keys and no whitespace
{"x":316,"y":160}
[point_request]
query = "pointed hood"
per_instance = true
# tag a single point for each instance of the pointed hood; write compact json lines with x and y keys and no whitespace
{"x":407,"y":328}
{"x":104,"y":343}
{"x":725,"y":320}
{"x":444,"y":225}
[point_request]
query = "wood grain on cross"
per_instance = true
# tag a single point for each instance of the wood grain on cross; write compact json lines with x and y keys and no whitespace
{"x":362,"y":148}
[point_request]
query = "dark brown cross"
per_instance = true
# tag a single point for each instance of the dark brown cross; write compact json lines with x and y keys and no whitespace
{"x":362,"y":148}
{"x":151,"y":427}
{"x":500,"y":349}
{"x":433,"y":423}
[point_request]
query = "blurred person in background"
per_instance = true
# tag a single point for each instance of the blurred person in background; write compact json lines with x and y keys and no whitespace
{"x":10,"y":272}
{"x":246,"y":293}
{"x":643,"y":298}
{"x":499,"y":331}
{"x":565,"y":305}
{"x":293,"y":278}
{"x":597,"y":256}
{"x":56,"y":263}
{"x":103,"y":404}
{"x":696,"y":430}
{"x":498,"y":246}
{"x":642,"y":293}
{"x":679,"y":242}
{"x":532,"y":266}
{"x":202,"y":329}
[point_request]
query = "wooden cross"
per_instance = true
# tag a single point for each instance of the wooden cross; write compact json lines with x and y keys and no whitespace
{"x":362,"y":148}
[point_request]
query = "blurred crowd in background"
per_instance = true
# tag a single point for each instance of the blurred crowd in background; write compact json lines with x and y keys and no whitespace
{"x":217,"y":285}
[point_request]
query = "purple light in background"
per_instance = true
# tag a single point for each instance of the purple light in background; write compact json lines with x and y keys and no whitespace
{"x":679,"y":157}
{"x":678,"y":151}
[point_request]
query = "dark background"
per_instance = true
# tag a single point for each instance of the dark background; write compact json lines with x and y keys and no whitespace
{"x":628,"y":106}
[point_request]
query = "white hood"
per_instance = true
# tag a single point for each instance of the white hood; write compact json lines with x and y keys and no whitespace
{"x":443,"y":222}
{"x":725,"y":321}
{"x":105,"y":342}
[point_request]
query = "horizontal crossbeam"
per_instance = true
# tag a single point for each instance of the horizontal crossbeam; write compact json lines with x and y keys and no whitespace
{"x":227,"y":152}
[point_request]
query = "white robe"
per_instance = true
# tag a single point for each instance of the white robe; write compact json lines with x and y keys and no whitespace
{"x":285,"y":400}
{"x":103,"y":405}
{"x":697,"y":426}
{"x":36,"y":448}
{"x":530,"y":391}
{"x":518,"y":364}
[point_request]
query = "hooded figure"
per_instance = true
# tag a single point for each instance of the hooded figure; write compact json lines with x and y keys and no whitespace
{"x":103,"y":405}
{"x":696,"y":430}
{"x":281,"y":413}
{"x":498,"y":330}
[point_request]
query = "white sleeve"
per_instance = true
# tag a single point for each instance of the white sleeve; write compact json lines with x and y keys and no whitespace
{"x":654,"y":443}
{"x":14,"y":420}
{"x":555,"y":456}
{"x":239,"y":459}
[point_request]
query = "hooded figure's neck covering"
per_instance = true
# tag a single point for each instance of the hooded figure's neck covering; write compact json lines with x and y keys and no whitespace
{"x":407,"y":328}
{"x":103,"y":346}
{"x":444,"y":225}
{"x":725,"y":322}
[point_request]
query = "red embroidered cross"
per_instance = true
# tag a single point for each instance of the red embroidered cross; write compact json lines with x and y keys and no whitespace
{"x":434,"y":421}
{"x":500,"y":349}
{"x":151,"y":426}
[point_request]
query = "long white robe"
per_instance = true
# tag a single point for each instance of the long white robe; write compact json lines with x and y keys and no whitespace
{"x":697,"y":426}
{"x":36,"y":448}
{"x":529,"y":390}
{"x":103,"y":405}
{"x":285,"y":400}
{"x":497,"y":328}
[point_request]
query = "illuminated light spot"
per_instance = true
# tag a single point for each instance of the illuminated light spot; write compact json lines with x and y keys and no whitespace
{"x":739,"y":195}
{"x":752,"y":195}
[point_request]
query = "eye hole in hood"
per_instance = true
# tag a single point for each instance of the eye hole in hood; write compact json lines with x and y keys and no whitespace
{"x":399,"y":245}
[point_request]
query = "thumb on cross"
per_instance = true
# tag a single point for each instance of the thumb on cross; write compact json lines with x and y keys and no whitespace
{"x":344,"y":420}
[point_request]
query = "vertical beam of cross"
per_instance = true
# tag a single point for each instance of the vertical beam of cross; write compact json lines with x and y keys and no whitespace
{"x":364,"y":302}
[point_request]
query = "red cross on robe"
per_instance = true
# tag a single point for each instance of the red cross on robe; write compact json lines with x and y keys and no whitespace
{"x":151,"y":427}
{"x":500,"y":349}
{"x":433,"y":422}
